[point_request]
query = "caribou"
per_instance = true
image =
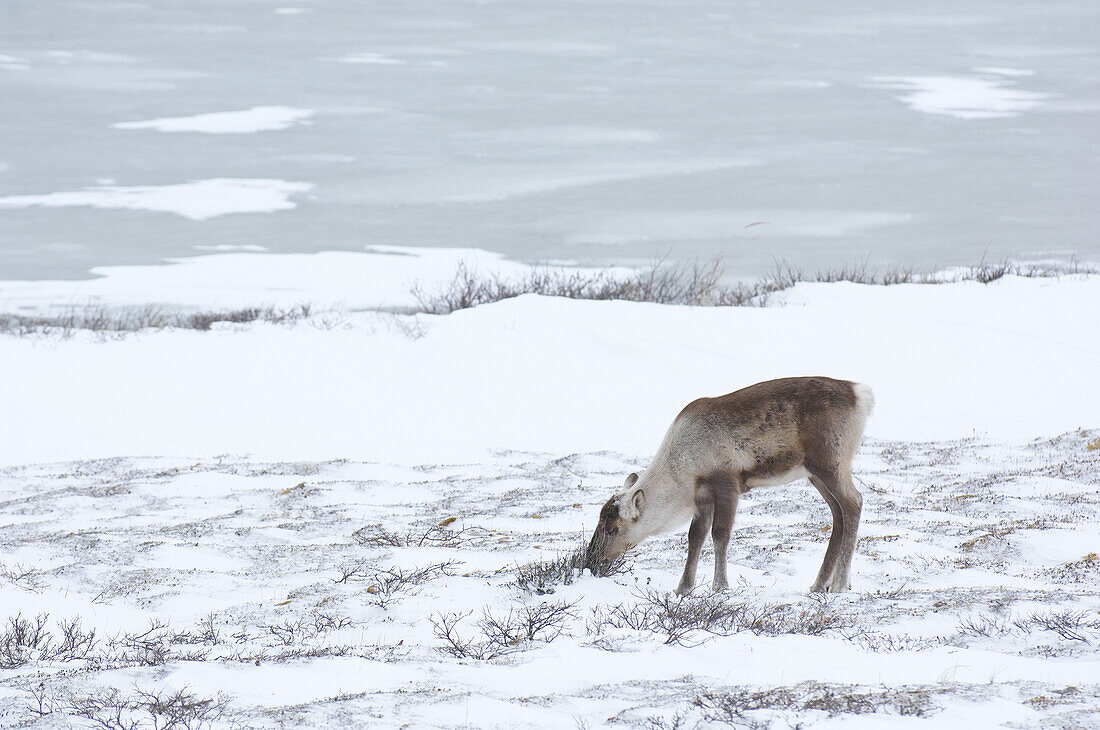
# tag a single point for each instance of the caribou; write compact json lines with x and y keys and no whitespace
{"x":716,"y":449}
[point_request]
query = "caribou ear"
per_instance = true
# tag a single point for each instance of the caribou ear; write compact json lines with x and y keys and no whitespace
{"x":639,"y":502}
{"x":630,"y":480}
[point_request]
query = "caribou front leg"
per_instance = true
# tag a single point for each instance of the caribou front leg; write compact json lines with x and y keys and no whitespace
{"x":697,"y":534}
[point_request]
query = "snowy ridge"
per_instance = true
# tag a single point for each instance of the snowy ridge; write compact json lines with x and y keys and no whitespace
{"x":1008,"y":360}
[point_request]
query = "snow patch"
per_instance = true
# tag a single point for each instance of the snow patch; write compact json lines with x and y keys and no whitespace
{"x":14,"y":63}
{"x":246,"y":121}
{"x":379,"y":278}
{"x":197,"y":200}
{"x":962,"y":97}
{"x":376,"y":59}
{"x":228,"y":247}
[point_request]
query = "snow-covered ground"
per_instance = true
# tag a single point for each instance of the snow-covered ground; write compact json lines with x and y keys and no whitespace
{"x":285,"y":520}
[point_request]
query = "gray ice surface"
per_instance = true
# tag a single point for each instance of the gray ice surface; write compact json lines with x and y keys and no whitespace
{"x":601,"y":131}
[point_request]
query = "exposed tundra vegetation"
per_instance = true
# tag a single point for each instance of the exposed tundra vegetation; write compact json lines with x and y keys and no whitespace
{"x":699,"y":284}
{"x":975,"y":591}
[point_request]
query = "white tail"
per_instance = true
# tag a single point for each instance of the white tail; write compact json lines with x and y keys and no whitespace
{"x":717,"y":448}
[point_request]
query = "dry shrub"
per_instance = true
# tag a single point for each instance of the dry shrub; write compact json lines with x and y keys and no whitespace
{"x":503,"y":634}
{"x":25,"y":577}
{"x":25,"y":640}
{"x":117,"y":321}
{"x":388,"y":585}
{"x":434,"y":535}
{"x":541,"y":577}
{"x":690,"y":284}
{"x":694,"y":284}
{"x":681,"y":619}
{"x":294,"y":631}
{"x":730,"y":706}
{"x":159,"y":710}
{"x":1070,"y":625}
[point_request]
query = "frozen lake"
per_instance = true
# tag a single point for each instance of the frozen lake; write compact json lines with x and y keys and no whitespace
{"x":821,"y":133}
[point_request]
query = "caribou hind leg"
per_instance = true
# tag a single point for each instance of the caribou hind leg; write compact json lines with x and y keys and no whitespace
{"x":846,"y":503}
{"x":851,"y":504}
{"x":725,"y":489}
{"x":825,"y":575}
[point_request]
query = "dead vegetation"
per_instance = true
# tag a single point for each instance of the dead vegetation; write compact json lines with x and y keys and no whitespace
{"x":696,"y":284}
{"x":116,"y":321}
{"x":26,"y":640}
{"x":883,"y":643}
{"x":1077,"y":571}
{"x":1069,"y":625}
{"x":689,"y":620}
{"x":730,"y":706}
{"x":389,"y":585}
{"x":693,"y":284}
{"x":290,"y":632}
{"x":23,"y":576}
{"x":395,"y":594}
{"x":38,"y":641}
{"x":499,"y":634}
{"x":109,"y":709}
{"x":541,"y":577}
{"x":436,"y":535}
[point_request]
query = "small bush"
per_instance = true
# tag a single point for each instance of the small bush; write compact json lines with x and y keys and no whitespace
{"x":1070,"y":625}
{"x":75,"y":643}
{"x":388,"y":585}
{"x":290,"y":632}
{"x":691,"y":284}
{"x":27,"y":578}
{"x":698,"y":284}
{"x":504,"y":634}
{"x":541,"y":577}
{"x":160,"y":710}
{"x":116,"y":321}
{"x":892,"y":643}
{"x":25,"y":639}
{"x":435,"y":535}
{"x":729,"y":706}
{"x":152,"y":647}
{"x":681,"y":619}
